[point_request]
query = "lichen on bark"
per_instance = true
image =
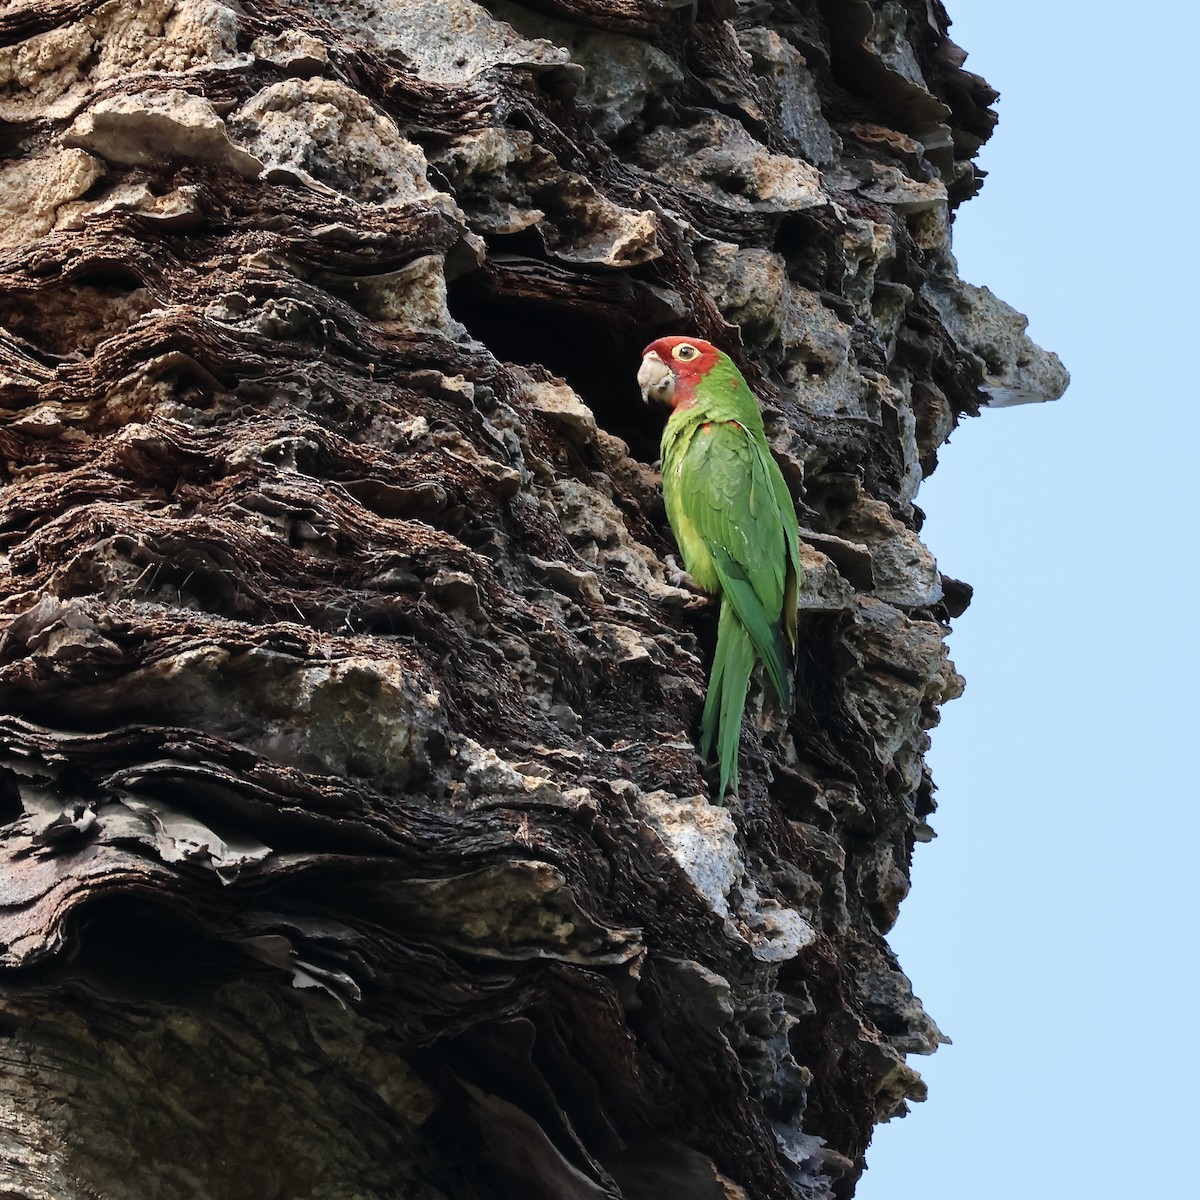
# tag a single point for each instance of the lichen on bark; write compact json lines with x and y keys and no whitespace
{"x":355,"y":842}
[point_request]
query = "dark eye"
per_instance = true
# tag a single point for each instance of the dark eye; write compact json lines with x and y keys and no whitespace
{"x":684,"y":352}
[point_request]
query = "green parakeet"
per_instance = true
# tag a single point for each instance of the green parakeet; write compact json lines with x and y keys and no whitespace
{"x":735,"y":522}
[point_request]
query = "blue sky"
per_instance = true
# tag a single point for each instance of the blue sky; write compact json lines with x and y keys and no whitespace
{"x":1052,"y":928}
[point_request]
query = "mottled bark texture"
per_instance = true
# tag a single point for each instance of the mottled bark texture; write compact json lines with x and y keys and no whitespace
{"x":355,"y":841}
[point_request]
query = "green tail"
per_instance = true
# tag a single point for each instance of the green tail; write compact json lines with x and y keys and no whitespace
{"x":726,"y":699}
{"x":768,"y":638}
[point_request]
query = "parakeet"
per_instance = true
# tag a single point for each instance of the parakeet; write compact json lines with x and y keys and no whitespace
{"x":735,"y":522}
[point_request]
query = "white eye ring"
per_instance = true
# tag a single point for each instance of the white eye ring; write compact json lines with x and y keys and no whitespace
{"x":684,"y":352}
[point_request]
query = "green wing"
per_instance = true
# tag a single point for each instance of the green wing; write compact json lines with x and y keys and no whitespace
{"x":732,"y":494}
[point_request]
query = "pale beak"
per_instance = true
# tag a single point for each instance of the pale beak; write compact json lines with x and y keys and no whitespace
{"x":656,"y":379}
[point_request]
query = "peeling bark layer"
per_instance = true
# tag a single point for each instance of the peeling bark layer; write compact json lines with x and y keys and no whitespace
{"x":355,"y":840}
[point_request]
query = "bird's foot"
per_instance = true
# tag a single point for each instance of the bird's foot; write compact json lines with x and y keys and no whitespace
{"x":678,"y":577}
{"x":680,"y":590}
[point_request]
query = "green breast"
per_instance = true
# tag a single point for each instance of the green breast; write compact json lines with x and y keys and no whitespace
{"x":678,"y":459}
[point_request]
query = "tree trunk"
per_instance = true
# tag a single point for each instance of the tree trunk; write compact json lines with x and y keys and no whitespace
{"x":356,"y":842}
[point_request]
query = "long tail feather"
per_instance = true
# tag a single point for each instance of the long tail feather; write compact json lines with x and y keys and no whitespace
{"x":726,"y":699}
{"x":712,"y":701}
{"x":733,"y":705}
{"x":786,"y":665}
{"x":767,"y":636}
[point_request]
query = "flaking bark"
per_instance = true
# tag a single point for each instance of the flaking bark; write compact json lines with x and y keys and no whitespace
{"x":355,"y":840}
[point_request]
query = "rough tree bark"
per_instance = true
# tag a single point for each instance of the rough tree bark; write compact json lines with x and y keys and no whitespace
{"x":355,"y":842}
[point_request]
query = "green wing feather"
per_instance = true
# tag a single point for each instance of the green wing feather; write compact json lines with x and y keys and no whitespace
{"x":738,"y":594}
{"x":735,"y":523}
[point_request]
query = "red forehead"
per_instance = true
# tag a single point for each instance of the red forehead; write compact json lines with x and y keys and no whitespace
{"x":694,"y":366}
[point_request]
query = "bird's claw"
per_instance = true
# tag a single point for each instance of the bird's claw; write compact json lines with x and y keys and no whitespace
{"x":687,"y":594}
{"x":678,"y":577}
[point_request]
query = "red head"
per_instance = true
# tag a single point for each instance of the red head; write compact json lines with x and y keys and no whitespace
{"x":672,"y":366}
